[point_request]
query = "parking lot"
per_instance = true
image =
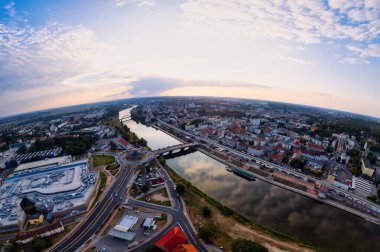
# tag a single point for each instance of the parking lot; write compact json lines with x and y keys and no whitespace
{"x":142,"y":234}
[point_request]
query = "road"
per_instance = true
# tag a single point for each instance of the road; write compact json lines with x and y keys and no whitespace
{"x":272,"y":165}
{"x":177,"y":212}
{"x":113,"y":197}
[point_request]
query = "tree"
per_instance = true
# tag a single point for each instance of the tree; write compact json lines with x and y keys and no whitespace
{"x":162,"y":160}
{"x":298,"y":163}
{"x":113,"y":146}
{"x":10,"y":247}
{"x":22,"y":150}
{"x":206,"y":212}
{"x":208,"y":233}
{"x":144,"y":188}
{"x":372,"y":158}
{"x":372,"y":198}
{"x":38,"y":244}
{"x":180,"y":188}
{"x":244,"y":245}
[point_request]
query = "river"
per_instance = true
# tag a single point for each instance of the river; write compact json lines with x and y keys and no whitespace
{"x":268,"y":205}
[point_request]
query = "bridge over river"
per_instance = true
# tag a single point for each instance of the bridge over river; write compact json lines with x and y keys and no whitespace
{"x":170,"y":149}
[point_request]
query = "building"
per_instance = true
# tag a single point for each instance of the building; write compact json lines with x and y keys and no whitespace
{"x":55,"y":188}
{"x":173,"y":238}
{"x":43,"y":163}
{"x":362,"y":185}
{"x":367,"y":168}
{"x":124,"y":229}
{"x":255,"y":150}
{"x":149,"y":223}
{"x":24,"y":238}
{"x":312,"y":147}
{"x":124,"y":144}
{"x":157,"y":182}
{"x":36,"y":219}
{"x":28,"y":157}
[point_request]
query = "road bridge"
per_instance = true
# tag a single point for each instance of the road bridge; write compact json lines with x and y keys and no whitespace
{"x":170,"y":149}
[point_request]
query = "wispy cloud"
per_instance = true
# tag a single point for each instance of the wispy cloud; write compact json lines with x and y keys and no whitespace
{"x":295,"y":60}
{"x":321,"y":94}
{"x":307,"y":22}
{"x":34,"y":62}
{"x":145,"y":3}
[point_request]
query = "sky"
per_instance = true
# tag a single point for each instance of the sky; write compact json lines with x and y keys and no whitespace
{"x":323,"y":53}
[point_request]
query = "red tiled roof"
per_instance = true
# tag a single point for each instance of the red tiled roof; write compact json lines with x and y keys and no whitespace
{"x":185,"y":248}
{"x":123,"y":142}
{"x":157,"y":181}
{"x":316,"y":146}
{"x":256,"y":147}
{"x":33,"y":233}
{"x":172,"y":239}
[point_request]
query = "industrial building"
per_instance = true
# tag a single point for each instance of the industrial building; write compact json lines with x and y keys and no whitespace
{"x":124,"y":229}
{"x":51,"y":186}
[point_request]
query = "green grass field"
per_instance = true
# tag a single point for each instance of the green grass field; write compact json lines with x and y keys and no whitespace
{"x":102,"y":160}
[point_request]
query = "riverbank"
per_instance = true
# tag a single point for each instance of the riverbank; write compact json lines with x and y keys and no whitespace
{"x":270,"y":180}
{"x":268,"y":205}
{"x":230,"y":224}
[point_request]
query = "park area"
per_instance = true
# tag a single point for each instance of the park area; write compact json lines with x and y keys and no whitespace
{"x":102,"y":160}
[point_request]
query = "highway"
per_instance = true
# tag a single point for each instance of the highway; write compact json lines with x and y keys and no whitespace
{"x":113,"y":197}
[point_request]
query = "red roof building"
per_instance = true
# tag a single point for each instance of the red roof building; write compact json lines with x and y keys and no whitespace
{"x":235,"y":128}
{"x":123,"y":142}
{"x":172,"y":239}
{"x":52,"y":229}
{"x":157,"y":181}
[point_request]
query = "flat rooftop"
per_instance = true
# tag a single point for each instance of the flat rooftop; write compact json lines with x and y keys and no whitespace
{"x":41,"y":163}
{"x":128,"y":221}
{"x":52,"y":188}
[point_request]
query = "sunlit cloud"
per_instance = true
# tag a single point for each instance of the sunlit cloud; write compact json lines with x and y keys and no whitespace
{"x":277,"y":50}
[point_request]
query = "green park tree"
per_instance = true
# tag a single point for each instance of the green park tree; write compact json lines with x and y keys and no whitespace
{"x":244,"y":245}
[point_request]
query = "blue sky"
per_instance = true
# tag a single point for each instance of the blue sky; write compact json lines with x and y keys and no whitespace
{"x":322,"y":52}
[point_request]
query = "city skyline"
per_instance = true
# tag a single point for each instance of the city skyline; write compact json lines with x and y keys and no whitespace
{"x":319,"y":53}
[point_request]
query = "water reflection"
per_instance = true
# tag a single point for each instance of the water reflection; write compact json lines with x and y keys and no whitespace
{"x":268,"y":205}
{"x":156,"y":139}
{"x":279,"y":209}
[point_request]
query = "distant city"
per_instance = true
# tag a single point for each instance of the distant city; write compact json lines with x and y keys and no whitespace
{"x":80,"y":178}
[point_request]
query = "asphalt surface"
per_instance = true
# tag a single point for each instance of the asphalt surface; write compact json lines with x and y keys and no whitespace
{"x":177,"y":212}
{"x":113,"y":197}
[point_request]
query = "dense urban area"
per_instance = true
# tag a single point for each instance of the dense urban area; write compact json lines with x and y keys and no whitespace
{"x":78,"y":178}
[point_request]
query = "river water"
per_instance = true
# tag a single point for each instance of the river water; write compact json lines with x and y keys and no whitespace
{"x":268,"y":205}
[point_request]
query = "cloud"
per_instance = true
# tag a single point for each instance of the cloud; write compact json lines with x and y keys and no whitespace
{"x":145,"y":3}
{"x":372,"y":50}
{"x":33,"y":58}
{"x":303,"y":21}
{"x":321,"y":94}
{"x":148,"y":86}
{"x":295,"y":60}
